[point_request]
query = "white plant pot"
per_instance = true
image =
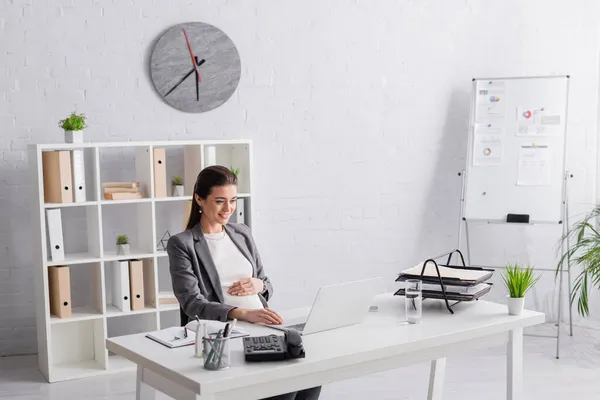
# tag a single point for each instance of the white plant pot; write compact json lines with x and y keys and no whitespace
{"x":177,"y":191}
{"x":122,"y":249}
{"x":515,"y":305}
{"x":74,"y":136}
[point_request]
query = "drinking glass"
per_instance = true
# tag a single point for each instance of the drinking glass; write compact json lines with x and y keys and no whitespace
{"x":216,"y":352}
{"x":414,"y":300}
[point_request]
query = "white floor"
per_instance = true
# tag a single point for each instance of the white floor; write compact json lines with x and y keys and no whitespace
{"x":576,"y":375}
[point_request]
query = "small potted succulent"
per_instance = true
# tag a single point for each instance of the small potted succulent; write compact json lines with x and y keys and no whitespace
{"x":236,"y":171}
{"x":122,"y":245}
{"x":517,"y":281}
{"x":177,"y":183}
{"x":73,"y":126}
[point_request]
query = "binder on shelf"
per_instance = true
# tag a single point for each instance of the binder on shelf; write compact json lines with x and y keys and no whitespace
{"x":240,"y":212}
{"x":59,"y":279}
{"x":160,"y":173}
{"x":136,"y":284}
{"x":56,"y":170}
{"x":120,"y":285}
{"x":210,"y":156}
{"x":55,"y":234}
{"x":445,"y":276}
{"x":78,"y":172}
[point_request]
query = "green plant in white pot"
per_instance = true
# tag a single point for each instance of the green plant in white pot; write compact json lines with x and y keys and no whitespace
{"x":73,"y":125}
{"x":517,"y":281}
{"x":177,"y":183}
{"x":122,"y":245}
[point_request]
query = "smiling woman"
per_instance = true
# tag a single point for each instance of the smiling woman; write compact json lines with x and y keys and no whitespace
{"x":215,"y":267}
{"x":198,"y":49}
{"x":216,"y":270}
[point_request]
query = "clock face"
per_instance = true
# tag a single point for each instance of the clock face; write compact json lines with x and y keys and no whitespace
{"x":195,"y":67}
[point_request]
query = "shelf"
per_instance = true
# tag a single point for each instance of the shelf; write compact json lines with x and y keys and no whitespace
{"x":83,"y":313}
{"x":173,"y":198}
{"x":111,"y":255}
{"x":75,"y":347}
{"x":63,"y":205}
{"x":112,"y":311}
{"x":168,"y":307}
{"x":126,"y":201}
{"x":75,"y":258}
{"x":76,"y":370}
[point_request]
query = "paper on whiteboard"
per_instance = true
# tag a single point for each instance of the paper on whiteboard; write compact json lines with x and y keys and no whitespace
{"x":537,"y":121}
{"x":488,"y":129}
{"x":490,"y":102}
{"x":487,"y":149}
{"x":534,"y":165}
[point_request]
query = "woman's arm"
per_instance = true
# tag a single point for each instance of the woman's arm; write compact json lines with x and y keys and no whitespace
{"x":267,"y":292}
{"x":185,"y":285}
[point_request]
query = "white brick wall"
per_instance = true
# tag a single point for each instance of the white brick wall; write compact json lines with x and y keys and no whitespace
{"x":358,"y":110}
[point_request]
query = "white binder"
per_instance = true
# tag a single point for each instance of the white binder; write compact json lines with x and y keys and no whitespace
{"x":55,"y":234}
{"x":78,"y":173}
{"x":240,"y":212}
{"x":121,"y":297}
{"x":210,"y":156}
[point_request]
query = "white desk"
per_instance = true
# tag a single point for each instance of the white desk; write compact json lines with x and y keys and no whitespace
{"x":382,"y":342}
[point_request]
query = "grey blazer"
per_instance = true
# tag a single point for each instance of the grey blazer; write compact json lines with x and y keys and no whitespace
{"x":195,"y":280}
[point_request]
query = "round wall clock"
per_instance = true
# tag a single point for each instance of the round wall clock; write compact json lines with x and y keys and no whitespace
{"x":195,"y":67}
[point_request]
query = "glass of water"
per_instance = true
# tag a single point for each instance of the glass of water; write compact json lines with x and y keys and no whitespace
{"x":414,"y":300}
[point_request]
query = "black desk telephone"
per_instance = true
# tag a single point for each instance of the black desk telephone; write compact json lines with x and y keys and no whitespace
{"x":274,"y":347}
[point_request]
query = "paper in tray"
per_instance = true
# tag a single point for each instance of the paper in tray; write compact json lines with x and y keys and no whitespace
{"x":451,"y":275}
{"x":451,"y":296}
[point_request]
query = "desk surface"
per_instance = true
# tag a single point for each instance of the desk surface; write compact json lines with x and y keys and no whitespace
{"x":383,"y":334}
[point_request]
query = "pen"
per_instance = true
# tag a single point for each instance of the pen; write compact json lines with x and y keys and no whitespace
{"x":227,"y":330}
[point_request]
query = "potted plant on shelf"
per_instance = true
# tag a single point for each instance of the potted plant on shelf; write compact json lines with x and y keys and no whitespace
{"x":582,"y":244}
{"x":73,"y":126}
{"x":517,"y":281}
{"x":236,"y":171}
{"x":122,"y":245}
{"x":177,"y":183}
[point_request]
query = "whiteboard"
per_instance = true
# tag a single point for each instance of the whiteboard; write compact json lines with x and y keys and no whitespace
{"x":516,"y":149}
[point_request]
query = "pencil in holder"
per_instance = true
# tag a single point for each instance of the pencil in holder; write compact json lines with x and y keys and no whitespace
{"x":217,"y":352}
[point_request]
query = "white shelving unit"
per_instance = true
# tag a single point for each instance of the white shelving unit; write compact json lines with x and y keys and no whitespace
{"x":74,"y":347}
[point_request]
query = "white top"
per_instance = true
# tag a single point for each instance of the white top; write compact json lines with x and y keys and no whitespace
{"x":231,"y":266}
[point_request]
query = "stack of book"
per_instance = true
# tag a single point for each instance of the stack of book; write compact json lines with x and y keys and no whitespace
{"x":121,"y":190}
{"x":460,"y":283}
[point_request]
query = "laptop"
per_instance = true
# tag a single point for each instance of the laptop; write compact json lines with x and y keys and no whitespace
{"x":336,"y":306}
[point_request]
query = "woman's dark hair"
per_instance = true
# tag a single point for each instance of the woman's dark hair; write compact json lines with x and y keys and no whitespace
{"x":209,"y":177}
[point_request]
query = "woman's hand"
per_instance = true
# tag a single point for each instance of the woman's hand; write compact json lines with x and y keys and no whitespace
{"x":246,"y":287}
{"x":256,"y":316}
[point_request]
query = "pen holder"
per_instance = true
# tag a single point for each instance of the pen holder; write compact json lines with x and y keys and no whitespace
{"x":216,"y":353}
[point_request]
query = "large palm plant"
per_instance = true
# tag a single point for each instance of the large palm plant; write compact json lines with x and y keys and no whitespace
{"x":583,"y":249}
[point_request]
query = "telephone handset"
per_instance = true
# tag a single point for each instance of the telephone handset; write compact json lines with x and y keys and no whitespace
{"x":274,"y":347}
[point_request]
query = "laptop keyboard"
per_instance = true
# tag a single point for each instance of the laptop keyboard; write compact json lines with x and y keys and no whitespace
{"x":297,"y":327}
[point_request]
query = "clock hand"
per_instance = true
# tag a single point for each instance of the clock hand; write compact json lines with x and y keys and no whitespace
{"x":192,"y":54}
{"x":197,"y":87}
{"x":184,"y":78}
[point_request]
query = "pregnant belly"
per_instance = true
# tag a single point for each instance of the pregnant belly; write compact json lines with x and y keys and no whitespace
{"x":252,"y":301}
